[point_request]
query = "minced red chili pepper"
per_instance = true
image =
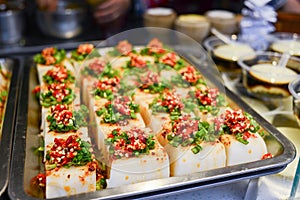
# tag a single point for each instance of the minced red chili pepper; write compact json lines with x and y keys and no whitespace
{"x":106,"y":83}
{"x":185,"y":126}
{"x":97,"y":66}
{"x":63,"y":151}
{"x":62,"y":114}
{"x":169,"y":59}
{"x":39,"y":180}
{"x":59,"y":91}
{"x":121,"y":104}
{"x":37,"y":89}
{"x":124,"y":47}
{"x":171,"y":101}
{"x":190,"y":75}
{"x":47,"y":54}
{"x":58,"y":73}
{"x":85,"y":48}
{"x":137,"y":61}
{"x":207,"y":96}
{"x":156,"y":46}
{"x":149,"y":79}
{"x":128,"y":143}
{"x":266,"y":156}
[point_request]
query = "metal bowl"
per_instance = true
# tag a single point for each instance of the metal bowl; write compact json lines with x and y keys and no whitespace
{"x":62,"y":23}
{"x":11,"y":26}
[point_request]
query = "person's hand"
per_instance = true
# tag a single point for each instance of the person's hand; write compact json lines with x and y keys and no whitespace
{"x":49,"y":5}
{"x":110,"y":10}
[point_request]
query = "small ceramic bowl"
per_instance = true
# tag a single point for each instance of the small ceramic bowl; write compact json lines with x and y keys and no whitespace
{"x":159,"y":17}
{"x":224,"y":55}
{"x":223,"y":20}
{"x":195,"y":26}
{"x":285,"y":42}
{"x":263,"y":78}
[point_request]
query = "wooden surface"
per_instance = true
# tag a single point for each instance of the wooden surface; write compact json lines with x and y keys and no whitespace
{"x":288,"y":22}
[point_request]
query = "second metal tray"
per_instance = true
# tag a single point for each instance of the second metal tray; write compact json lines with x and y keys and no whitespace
{"x":7,"y":132}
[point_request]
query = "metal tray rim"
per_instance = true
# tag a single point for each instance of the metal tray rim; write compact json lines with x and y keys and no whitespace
{"x":232,"y":173}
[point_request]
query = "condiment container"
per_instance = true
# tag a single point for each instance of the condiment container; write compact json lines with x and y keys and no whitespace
{"x":65,"y":22}
{"x":195,"y":26}
{"x":225,"y":55}
{"x":12,"y":23}
{"x":159,"y":17}
{"x":286,"y":42}
{"x":264,"y":78}
{"x":223,"y":20}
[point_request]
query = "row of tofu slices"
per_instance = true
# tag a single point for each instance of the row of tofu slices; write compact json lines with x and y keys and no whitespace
{"x":148,"y":155}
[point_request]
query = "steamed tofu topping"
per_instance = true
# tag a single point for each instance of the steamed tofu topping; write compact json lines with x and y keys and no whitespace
{"x":131,"y":143}
{"x":187,"y":131}
{"x":61,"y":119}
{"x":136,"y":61}
{"x":171,"y":59}
{"x":190,"y":75}
{"x":124,"y":47}
{"x":105,"y":87}
{"x":94,"y":68}
{"x":58,"y":74}
{"x":72,"y":151}
{"x":57,"y":94}
{"x":50,"y":56}
{"x":238,"y":123}
{"x":168,"y":102}
{"x":207,"y":96}
{"x":155,"y":46}
{"x":118,"y":110}
{"x":150,"y":83}
{"x":82,"y":51}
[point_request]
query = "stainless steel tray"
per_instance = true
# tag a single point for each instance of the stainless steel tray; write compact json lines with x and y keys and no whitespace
{"x":7,"y":132}
{"x":25,"y":164}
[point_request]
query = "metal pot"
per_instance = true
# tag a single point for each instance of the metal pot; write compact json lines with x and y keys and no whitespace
{"x":63,"y":23}
{"x":11,"y":26}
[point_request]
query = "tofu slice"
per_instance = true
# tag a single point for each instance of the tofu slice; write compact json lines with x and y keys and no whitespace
{"x":42,"y":69}
{"x":183,"y":161}
{"x":45,"y":111}
{"x":144,"y":168}
{"x":102,"y":129}
{"x":238,"y":153}
{"x":61,"y":182}
{"x":50,"y":135}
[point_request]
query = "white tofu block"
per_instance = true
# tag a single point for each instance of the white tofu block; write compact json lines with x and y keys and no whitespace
{"x":86,"y":89}
{"x":42,"y":69}
{"x":49,"y":137}
{"x":183,"y":161}
{"x":237,"y":152}
{"x":61,"y":182}
{"x":102,"y":129}
{"x":138,"y":169}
